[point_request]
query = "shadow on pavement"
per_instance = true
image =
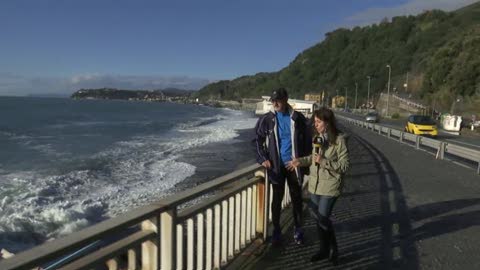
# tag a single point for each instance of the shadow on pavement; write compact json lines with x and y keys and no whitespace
{"x":370,"y":218}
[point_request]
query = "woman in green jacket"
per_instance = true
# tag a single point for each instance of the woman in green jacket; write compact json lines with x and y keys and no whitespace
{"x":328,"y":163}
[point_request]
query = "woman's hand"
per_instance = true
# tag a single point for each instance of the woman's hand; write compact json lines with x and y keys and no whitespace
{"x":317,"y":158}
{"x":291,"y":165}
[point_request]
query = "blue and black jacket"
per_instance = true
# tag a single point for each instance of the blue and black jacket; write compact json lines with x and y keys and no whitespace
{"x":267,"y":146}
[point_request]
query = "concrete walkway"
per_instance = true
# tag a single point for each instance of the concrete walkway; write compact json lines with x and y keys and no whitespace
{"x":401,"y":209}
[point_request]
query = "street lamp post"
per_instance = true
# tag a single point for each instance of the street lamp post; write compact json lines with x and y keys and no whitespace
{"x":356,"y":94}
{"x":406,"y":84}
{"x":368,"y":94}
{"x":346,"y":98}
{"x":388,"y":87}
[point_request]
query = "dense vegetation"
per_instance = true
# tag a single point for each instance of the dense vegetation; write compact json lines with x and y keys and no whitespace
{"x":439,"y":50}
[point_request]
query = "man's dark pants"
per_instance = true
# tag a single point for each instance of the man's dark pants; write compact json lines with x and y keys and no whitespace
{"x":295,"y":193}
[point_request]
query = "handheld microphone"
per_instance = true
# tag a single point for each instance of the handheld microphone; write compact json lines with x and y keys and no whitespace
{"x":316,"y":148}
{"x":317,"y":144}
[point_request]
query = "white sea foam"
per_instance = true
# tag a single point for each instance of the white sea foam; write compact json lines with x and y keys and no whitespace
{"x":35,"y":207}
{"x":7,"y":134}
{"x":48,"y":149}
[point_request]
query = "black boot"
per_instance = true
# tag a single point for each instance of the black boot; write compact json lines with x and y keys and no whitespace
{"x":333,"y":252}
{"x":324,"y":251}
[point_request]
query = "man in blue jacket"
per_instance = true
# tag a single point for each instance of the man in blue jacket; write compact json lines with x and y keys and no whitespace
{"x":281,"y":135}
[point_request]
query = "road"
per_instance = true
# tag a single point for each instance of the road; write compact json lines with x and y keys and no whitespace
{"x":400,"y":209}
{"x":466,"y":140}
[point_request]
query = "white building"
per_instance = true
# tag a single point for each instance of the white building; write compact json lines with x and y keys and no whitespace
{"x":304,"y":106}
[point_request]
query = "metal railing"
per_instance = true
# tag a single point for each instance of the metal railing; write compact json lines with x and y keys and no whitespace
{"x":169,"y":234}
{"x":407,"y":101}
{"x":442,"y":148}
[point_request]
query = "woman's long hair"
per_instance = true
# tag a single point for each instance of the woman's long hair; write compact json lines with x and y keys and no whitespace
{"x":328,"y":117}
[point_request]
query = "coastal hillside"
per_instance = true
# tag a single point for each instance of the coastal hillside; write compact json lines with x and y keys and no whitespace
{"x":439,"y":50}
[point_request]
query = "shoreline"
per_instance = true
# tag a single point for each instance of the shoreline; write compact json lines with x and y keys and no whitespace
{"x":234,"y":154}
{"x":232,"y":104}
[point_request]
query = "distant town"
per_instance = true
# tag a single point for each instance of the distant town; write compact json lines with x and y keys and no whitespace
{"x":170,"y":94}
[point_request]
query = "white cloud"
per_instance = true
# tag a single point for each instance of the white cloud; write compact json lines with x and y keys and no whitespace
{"x":413,"y":7}
{"x":17,"y":85}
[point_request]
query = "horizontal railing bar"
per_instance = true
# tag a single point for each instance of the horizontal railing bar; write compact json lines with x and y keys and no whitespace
{"x":110,"y":251}
{"x":192,"y":211}
{"x":462,"y":149}
{"x":185,"y":196}
{"x":463,"y":152}
{"x":409,"y":137}
{"x":430,"y":142}
{"x":60,"y":247}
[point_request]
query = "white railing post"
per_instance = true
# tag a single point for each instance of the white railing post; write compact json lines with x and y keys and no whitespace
{"x":253,"y":230}
{"x":231,"y":226}
{"x":112,"y":264}
{"x":237,"y":223}
{"x":209,"y":240}
{"x":261,"y":207}
{"x":190,"y":244}
{"x":225,"y":227}
{"x":200,"y":245}
{"x":441,"y":151}
{"x":132,"y":258}
{"x":417,"y":142}
{"x":180,"y":246}
{"x":150,"y":248}
{"x":270,"y":199}
{"x":217,"y":243}
{"x":249,"y":215}
{"x":168,"y":245}
{"x":243,"y":219}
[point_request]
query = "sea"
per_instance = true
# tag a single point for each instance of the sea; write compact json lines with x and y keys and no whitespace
{"x":67,"y":164}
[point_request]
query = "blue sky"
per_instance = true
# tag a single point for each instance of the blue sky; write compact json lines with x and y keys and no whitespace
{"x":60,"y":46}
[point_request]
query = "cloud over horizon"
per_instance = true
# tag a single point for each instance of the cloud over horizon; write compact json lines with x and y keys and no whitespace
{"x":413,"y":7}
{"x":17,"y":85}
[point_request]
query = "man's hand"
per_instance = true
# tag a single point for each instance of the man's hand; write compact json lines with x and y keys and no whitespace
{"x":267,"y":164}
{"x":291,"y":165}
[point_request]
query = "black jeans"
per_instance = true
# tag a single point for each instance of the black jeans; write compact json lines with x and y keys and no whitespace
{"x":296,"y":195}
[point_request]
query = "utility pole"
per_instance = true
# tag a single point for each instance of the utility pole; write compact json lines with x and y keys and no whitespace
{"x":323,"y":98}
{"x":356,"y":94}
{"x":368,"y":94}
{"x":388,"y":87}
{"x":406,"y":84}
{"x":346,"y":98}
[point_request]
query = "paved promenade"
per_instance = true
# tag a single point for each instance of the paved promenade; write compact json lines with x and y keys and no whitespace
{"x":401,"y":209}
